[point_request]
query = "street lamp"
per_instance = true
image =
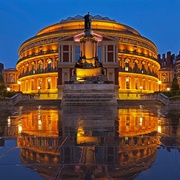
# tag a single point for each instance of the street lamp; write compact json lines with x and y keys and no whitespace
{"x":159,"y":82}
{"x":168,"y":89}
{"x":19,"y":83}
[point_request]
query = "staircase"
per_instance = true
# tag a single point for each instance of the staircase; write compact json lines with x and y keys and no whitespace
{"x":89,"y":94}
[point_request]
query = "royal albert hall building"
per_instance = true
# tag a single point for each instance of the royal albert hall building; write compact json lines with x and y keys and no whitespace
{"x":47,"y":60}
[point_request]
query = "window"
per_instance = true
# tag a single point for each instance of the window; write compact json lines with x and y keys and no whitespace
{"x":99,"y":53}
{"x":40,"y":66}
{"x":110,"y":53}
{"x":144,"y":87}
{"x":49,"y":66}
{"x":11,"y":78}
{"x":149,"y":85}
{"x":77,"y":53}
{"x":127,"y":83}
{"x":33,"y":69}
{"x":126,"y":66}
{"x":48,"y":83}
{"x":65,"y":53}
{"x":32,"y":85}
{"x":136,"y":84}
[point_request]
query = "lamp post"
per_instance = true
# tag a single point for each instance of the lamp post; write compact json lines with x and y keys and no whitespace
{"x":159,"y":82}
{"x":19,"y":83}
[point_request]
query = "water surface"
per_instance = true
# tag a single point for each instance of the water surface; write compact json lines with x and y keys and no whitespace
{"x":132,"y":142}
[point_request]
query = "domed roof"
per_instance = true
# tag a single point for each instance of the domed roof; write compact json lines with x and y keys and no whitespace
{"x":76,"y":22}
{"x":79,"y":17}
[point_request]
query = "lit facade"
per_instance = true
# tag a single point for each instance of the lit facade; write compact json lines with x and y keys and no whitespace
{"x":47,"y":60}
{"x":167,"y":71}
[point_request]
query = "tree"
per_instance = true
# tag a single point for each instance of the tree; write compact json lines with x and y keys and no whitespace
{"x":175,"y":85}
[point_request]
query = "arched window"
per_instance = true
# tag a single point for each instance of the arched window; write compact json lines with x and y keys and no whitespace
{"x":143,"y":70}
{"x":135,"y":67}
{"x":126,"y":68}
{"x":33,"y":69}
{"x":41,"y":66}
{"x":127,"y":83}
{"x":49,"y":65}
{"x":164,"y":78}
{"x":49,"y":83}
{"x":11,"y":78}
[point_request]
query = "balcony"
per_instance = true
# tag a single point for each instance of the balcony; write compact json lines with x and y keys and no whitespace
{"x":38,"y":71}
{"x":138,"y":71}
{"x":38,"y":54}
{"x":137,"y":54}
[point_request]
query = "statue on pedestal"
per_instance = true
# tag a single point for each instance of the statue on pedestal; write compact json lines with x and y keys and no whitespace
{"x":87,"y":21}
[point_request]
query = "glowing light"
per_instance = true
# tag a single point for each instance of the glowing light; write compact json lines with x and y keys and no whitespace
{"x":8,"y":88}
{"x":140,"y":121}
{"x":159,"y":129}
{"x":19,"y":82}
{"x":159,"y":82}
{"x":168,"y":89}
{"x":78,"y":37}
{"x":19,"y":129}
{"x":9,"y":121}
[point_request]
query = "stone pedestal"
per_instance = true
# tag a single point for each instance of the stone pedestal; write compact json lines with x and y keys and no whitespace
{"x":89,"y":94}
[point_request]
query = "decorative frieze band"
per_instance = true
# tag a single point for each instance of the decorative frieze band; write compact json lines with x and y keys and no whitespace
{"x":136,"y":43}
{"x":39,"y":43}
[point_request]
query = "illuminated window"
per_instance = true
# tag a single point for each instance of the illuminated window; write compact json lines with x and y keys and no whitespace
{"x":135,"y":67}
{"x":144,"y":87}
{"x":49,"y":65}
{"x":127,"y":122}
{"x":164,"y":78}
{"x":136,"y":84}
{"x":33,"y":69}
{"x":48,"y":83}
{"x":126,"y":66}
{"x":32,"y":85}
{"x":149,"y":85}
{"x":11,"y":78}
{"x":26,"y":85}
{"x":40,"y":66}
{"x":127,"y":83}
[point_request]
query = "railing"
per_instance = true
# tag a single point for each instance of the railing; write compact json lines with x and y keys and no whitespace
{"x":38,"y":54}
{"x":137,"y":53}
{"x":38,"y":71}
{"x":138,"y":71}
{"x":163,"y":98}
{"x":18,"y":97}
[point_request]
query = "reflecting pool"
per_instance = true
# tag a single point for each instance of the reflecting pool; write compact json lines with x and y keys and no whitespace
{"x":132,"y":142}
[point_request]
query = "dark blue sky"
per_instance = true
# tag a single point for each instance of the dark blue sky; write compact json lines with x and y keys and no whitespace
{"x":157,"y":20}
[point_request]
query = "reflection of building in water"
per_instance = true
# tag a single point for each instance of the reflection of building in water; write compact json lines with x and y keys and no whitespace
{"x":39,"y":136}
{"x":170,"y":137}
{"x":89,"y":142}
{"x":120,"y":150}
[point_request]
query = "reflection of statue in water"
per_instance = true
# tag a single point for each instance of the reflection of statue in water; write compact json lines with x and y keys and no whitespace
{"x":87,"y":22}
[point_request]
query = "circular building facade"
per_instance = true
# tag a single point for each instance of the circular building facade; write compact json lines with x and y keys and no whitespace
{"x":47,"y":60}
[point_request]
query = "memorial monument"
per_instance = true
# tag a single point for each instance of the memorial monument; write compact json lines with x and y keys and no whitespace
{"x":88,"y":85}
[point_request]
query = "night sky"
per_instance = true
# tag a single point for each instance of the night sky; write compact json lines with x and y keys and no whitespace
{"x":157,"y":20}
